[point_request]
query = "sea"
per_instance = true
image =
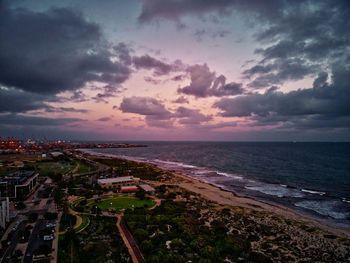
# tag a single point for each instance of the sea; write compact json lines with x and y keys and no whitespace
{"x":312,"y":178}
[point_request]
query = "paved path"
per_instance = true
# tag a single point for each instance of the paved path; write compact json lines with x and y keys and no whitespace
{"x":129,"y":241}
{"x":55,"y":241}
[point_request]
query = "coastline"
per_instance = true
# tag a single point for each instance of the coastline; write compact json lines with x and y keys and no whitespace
{"x":224,"y":197}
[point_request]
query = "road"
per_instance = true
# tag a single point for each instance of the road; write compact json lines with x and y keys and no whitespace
{"x":35,"y":240}
{"x":14,"y":242}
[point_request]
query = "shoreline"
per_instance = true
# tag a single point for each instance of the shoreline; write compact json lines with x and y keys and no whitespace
{"x":224,"y":197}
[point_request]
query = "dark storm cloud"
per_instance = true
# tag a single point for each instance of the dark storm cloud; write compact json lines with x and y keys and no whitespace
{"x":300,"y":108}
{"x":299,"y":38}
{"x":157,"y":115}
{"x":174,"y":9}
{"x":204,"y":83}
{"x":65,"y":109}
{"x":13,"y":100}
{"x":145,"y":106}
{"x":189,"y":116}
{"x":159,"y":67}
{"x":308,"y":37}
{"x":20,"y":120}
{"x":109,"y":91}
{"x":278,"y":72}
{"x":55,"y":51}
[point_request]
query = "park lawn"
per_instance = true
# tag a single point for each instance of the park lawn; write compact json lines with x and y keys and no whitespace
{"x":47,"y":168}
{"x":123,"y":203}
{"x":85,"y":223}
{"x":84,"y":167}
{"x":75,"y":202}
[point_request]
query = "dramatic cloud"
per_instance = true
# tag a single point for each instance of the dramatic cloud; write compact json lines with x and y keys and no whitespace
{"x":305,"y":39}
{"x":159,"y":67}
{"x":190,"y":116}
{"x":299,"y":39}
{"x":204,"y":83}
{"x":157,"y":115}
{"x":173,"y":9}
{"x":46,"y":53}
{"x":20,"y":120}
{"x":145,"y":106}
{"x":303,"y":107}
{"x":13,"y":100}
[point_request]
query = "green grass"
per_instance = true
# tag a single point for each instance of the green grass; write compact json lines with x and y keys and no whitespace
{"x":122,"y":203}
{"x":85,"y":223}
{"x":67,"y":220}
{"x":47,"y":168}
{"x":85,"y":168}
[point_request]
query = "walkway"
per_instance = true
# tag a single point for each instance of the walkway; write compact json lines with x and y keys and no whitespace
{"x":129,"y":241}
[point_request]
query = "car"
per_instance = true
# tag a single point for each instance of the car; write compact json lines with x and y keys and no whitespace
{"x":50,"y":225}
{"x":48,"y":237}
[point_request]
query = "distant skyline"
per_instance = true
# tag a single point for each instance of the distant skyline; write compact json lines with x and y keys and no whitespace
{"x":175,"y":70}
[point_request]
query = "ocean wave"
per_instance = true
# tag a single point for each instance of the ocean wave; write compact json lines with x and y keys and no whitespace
{"x":175,"y":163}
{"x":326,"y":208}
{"x":275,"y":190}
{"x":237,"y":177}
{"x":345,"y":200}
{"x":313,"y":192}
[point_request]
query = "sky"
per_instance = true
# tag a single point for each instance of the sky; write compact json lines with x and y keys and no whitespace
{"x":224,"y":70}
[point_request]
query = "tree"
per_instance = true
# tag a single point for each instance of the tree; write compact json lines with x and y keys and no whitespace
{"x":141,"y":194}
{"x":50,"y":216}
{"x":18,"y":253}
{"x":146,"y":246}
{"x":58,"y":196}
{"x":33,"y":217}
{"x":42,"y":250}
{"x":20,"y":205}
{"x":140,"y":234}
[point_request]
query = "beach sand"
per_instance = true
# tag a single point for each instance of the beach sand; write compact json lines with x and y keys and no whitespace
{"x":214,"y":193}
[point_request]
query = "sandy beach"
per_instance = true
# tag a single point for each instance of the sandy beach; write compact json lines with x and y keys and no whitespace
{"x":223,"y":197}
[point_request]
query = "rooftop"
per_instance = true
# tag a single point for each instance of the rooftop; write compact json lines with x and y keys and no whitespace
{"x":146,"y":187}
{"x":129,"y":187}
{"x":116,"y":180}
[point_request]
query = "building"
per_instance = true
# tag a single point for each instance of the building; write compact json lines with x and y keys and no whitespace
{"x":4,"y":211}
{"x":129,"y":188}
{"x":56,"y":154}
{"x":18,"y":185}
{"x":147,"y":188}
{"x":117,"y":182}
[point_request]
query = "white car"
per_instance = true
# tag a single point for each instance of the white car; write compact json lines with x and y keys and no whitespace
{"x":48,"y":237}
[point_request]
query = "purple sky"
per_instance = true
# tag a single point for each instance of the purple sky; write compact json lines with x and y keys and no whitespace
{"x":175,"y":70}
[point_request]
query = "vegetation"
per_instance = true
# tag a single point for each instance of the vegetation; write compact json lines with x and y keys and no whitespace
{"x":125,"y":167}
{"x":115,"y":203}
{"x":99,"y":242}
{"x":67,"y":221}
{"x":85,"y":223}
{"x":173,"y":233}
